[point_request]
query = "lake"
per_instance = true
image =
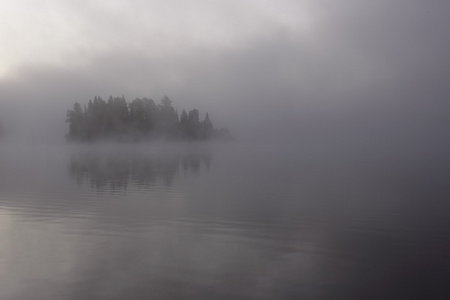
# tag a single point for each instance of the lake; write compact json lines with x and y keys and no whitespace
{"x":222,"y":221}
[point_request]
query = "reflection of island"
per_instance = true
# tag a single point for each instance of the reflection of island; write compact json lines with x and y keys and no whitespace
{"x":117,"y":171}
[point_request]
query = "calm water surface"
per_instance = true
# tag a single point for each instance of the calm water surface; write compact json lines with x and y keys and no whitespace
{"x":221,"y":222}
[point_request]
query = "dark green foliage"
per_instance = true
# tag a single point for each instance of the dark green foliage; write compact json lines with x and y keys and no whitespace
{"x":141,"y":118}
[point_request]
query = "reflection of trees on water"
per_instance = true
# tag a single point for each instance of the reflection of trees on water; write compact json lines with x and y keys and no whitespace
{"x":116,"y":172}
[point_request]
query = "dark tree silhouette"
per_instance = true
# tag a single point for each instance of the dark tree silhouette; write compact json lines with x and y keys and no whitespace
{"x":207,"y":127}
{"x":141,"y":118}
{"x":117,"y":116}
{"x":75,"y":119}
{"x":168,"y":123}
{"x":184,"y":123}
{"x":193,"y":124}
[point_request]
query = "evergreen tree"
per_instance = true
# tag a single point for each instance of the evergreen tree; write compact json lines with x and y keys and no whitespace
{"x":75,"y":120}
{"x":140,"y":118}
{"x":167,"y":122}
{"x":150,"y":114}
{"x":193,"y":124}
{"x":137,"y":115}
{"x":207,"y":127}
{"x":184,"y":124}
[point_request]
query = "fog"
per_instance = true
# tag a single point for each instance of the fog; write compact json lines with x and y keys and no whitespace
{"x":298,"y":71}
{"x":334,"y":186}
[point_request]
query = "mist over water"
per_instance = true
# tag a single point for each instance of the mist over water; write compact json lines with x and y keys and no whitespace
{"x":334,"y":187}
{"x":226,"y":220}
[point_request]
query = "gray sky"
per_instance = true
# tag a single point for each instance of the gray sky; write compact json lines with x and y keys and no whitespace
{"x":279,"y":68}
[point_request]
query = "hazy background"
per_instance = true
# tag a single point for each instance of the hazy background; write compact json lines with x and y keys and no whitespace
{"x":368,"y":73}
{"x":335,"y":189}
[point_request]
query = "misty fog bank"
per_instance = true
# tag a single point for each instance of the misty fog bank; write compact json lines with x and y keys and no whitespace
{"x":383,"y":116}
{"x":326,"y":136}
{"x":360,"y":77}
{"x":334,"y":187}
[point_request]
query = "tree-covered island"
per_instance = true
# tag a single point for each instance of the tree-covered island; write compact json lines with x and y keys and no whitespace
{"x":137,"y":120}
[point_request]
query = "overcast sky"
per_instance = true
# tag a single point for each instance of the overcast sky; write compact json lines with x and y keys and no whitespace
{"x":281,"y":68}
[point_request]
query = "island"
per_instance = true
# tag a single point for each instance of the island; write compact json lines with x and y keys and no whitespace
{"x":141,"y":119}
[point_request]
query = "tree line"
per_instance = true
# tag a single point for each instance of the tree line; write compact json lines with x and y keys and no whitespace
{"x":139,"y":119}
